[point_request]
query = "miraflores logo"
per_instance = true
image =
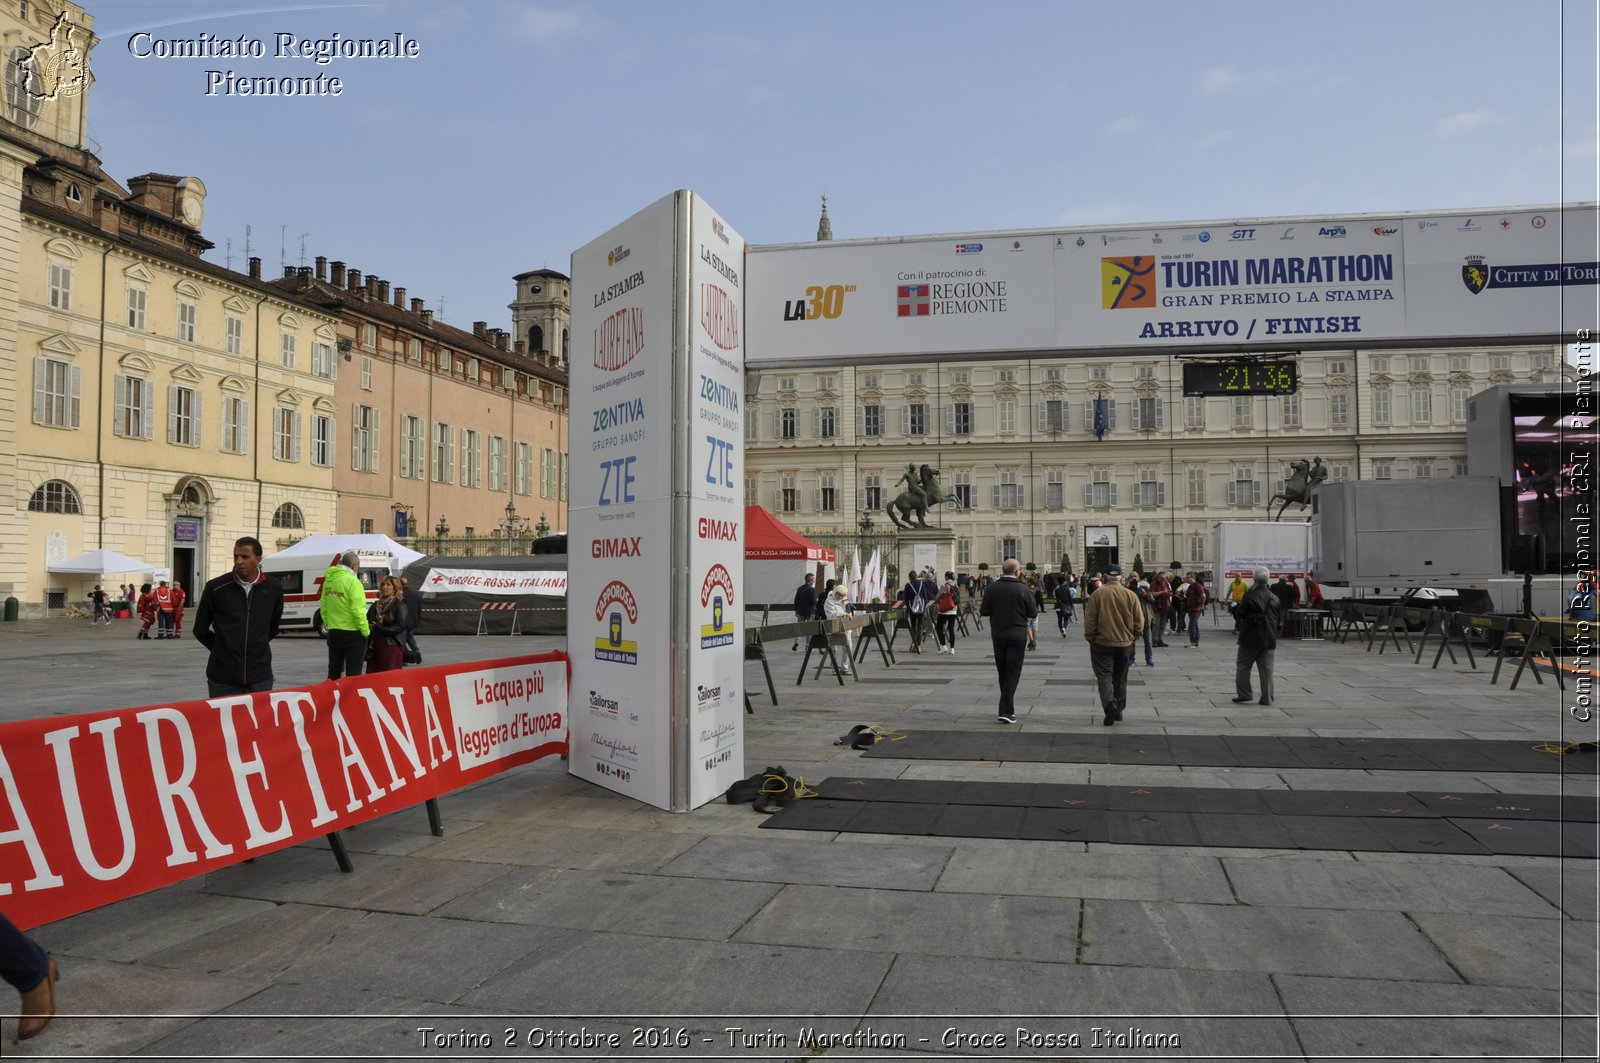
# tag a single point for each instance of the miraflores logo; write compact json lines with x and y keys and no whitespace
{"x":57,"y":68}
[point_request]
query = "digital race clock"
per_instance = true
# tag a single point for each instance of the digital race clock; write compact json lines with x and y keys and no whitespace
{"x":1240,"y":376}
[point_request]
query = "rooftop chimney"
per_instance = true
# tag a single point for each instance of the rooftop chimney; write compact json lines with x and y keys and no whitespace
{"x":322,"y":267}
{"x":383,"y":291}
{"x":416,"y":306}
{"x":520,"y":347}
{"x":500,"y":338}
{"x":255,"y":267}
{"x":289,"y":271}
{"x":353,"y":279}
{"x":480,"y":329}
{"x":400,"y":298}
{"x":372,"y":285}
{"x":336,"y":278}
{"x":427,"y":318}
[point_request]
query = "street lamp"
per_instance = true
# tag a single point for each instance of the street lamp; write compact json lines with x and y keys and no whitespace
{"x":405,"y":520}
{"x":865,"y":523}
{"x":512,"y":525}
{"x":441,"y":530}
{"x":542,"y":528}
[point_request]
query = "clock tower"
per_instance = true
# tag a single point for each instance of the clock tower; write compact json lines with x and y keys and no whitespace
{"x":541,"y":316}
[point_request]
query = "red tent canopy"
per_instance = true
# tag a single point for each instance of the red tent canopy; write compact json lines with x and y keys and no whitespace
{"x":766,"y":538}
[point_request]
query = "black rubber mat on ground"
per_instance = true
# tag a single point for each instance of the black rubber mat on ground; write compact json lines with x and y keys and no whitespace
{"x":1129,"y":747}
{"x":1374,"y":821}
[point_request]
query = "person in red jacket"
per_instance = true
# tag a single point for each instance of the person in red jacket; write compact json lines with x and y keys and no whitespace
{"x":163,"y":596}
{"x":147,"y":611}
{"x":178,"y":598}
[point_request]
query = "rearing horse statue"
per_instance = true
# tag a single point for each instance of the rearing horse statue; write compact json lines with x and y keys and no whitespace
{"x":922,"y":492}
{"x":1305,"y":478}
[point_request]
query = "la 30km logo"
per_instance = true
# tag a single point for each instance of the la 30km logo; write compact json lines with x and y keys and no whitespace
{"x":824,"y":301}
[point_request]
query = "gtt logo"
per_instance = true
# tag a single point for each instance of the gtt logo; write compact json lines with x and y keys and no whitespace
{"x":1243,"y":234}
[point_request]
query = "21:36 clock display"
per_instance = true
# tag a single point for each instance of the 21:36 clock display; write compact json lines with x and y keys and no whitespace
{"x":1240,"y":377}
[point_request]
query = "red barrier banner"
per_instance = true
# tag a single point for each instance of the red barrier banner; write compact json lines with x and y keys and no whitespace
{"x":105,"y":805}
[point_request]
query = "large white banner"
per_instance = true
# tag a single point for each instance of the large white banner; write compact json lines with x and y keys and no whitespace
{"x":619,"y":595}
{"x":496,"y":584}
{"x":657,"y":519}
{"x":1281,"y":284}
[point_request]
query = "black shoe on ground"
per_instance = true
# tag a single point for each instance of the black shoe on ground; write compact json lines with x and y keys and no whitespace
{"x":1109,"y":720}
{"x":1264,"y":701}
{"x":1241,"y":701}
{"x":1005,"y":719}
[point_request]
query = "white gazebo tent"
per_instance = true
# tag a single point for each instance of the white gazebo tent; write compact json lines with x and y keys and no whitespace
{"x":99,"y":563}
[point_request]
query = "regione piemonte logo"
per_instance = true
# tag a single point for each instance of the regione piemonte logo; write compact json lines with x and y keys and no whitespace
{"x":719,"y":632}
{"x":913,"y":300}
{"x":615,"y":601}
{"x":1128,"y":283}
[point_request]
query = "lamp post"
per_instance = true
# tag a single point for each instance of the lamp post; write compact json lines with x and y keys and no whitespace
{"x":542,"y":528}
{"x":1072,"y":544}
{"x":441,"y":530}
{"x":512,"y":525}
{"x":405,"y":520}
{"x":864,"y":525}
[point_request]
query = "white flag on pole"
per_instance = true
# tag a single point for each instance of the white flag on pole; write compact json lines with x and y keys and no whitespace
{"x":855,"y":575}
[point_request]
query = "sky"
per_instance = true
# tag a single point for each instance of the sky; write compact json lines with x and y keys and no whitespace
{"x":522,"y":130}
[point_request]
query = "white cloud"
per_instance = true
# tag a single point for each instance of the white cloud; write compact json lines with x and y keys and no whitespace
{"x":545,"y":24}
{"x":1125,"y":125}
{"x":1211,"y":140}
{"x":1459,"y":125}
{"x":1219,"y":78}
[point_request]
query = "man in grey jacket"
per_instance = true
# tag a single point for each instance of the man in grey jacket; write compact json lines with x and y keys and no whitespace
{"x":1009,"y":605}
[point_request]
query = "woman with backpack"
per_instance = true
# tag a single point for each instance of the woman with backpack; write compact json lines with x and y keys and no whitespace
{"x":945,"y":625}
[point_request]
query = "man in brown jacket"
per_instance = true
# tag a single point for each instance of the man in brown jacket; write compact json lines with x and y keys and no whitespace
{"x":1112,"y":620}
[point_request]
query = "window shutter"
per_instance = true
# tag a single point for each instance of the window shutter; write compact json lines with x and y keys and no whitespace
{"x":294,"y":436}
{"x":120,"y":409}
{"x":816,"y":422}
{"x":816,"y":499}
{"x":1255,"y":492}
{"x":1042,"y":418}
{"x":994,"y":496}
{"x":861,"y":421}
{"x":194,"y":418}
{"x":244,"y":426}
{"x":1022,"y":497}
{"x":777,"y":499}
{"x":172,"y":415}
{"x":74,"y":387}
{"x":1113,"y":492}
{"x":1161,"y":414}
{"x":41,"y":372}
{"x":1111,"y":414}
{"x":1161,"y":494}
{"x":905,"y":420}
{"x":1233,"y":493}
{"x":1088,"y":496}
{"x":147,"y":411}
{"x":861,"y":498}
{"x":950,"y":419}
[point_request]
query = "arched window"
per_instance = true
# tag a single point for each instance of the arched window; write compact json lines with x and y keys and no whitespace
{"x":566,"y":346}
{"x":54,"y":496}
{"x":535,"y":339}
{"x":23,"y":103}
{"x":288,"y":516}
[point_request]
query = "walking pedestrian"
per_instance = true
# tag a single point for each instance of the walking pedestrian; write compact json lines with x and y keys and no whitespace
{"x":918,"y":594}
{"x":1033,"y":621}
{"x":239,"y":614}
{"x":1141,"y":588}
{"x":1288,"y":596}
{"x":1160,"y":605}
{"x":32,"y":972}
{"x":147,"y":610}
{"x":945,"y":625}
{"x":837,"y":607}
{"x":344,"y":616}
{"x":386,"y":618}
{"x":178,"y":600}
{"x":98,"y":597}
{"x":163,"y":611}
{"x":805,"y":604}
{"x":1257,"y":617}
{"x":1009,"y":605}
{"x":1112,"y":620}
{"x":413,"y":602}
{"x":1194,"y":603}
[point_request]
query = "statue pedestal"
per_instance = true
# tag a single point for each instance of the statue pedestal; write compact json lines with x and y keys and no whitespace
{"x":924,"y":548}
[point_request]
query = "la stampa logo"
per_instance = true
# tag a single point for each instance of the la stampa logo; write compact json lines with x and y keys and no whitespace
{"x":913,"y":300}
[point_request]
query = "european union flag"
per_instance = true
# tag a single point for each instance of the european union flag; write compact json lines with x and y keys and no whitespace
{"x":1099,"y":418}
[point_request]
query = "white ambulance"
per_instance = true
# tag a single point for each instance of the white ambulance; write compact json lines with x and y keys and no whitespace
{"x":302,"y":568}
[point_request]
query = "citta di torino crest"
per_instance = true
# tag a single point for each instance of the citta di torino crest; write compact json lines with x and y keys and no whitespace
{"x":1475,"y":274}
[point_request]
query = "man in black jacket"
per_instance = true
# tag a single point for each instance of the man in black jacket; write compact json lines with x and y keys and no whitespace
{"x":239,"y":616}
{"x":805,"y":604}
{"x":1257,"y":618}
{"x":1009,"y":605}
{"x":413,"y":604}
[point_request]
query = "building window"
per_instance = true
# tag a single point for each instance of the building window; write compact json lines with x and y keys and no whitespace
{"x":1422,"y":469}
{"x":1338,"y":471}
{"x":1145,"y":372}
{"x":786,"y":426}
{"x":369,"y":337}
{"x":235,"y":425}
{"x":322,"y":441}
{"x":1005,"y":376}
{"x":1194,"y":412}
{"x":1339,"y":409}
{"x":134,"y":414}
{"x":872,"y":420}
{"x":471,"y":459}
{"x":1243,"y":412}
{"x":1054,"y":489}
{"x":1380,"y":363}
{"x":411,"y":454}
{"x":963,"y":550}
{"x":1008,"y":493}
{"x":188,"y":314}
{"x":364,"y":439}
{"x":1053,"y":375}
{"x":914,"y":419}
{"x":1053,"y":415}
{"x":549,"y":470}
{"x":1338,"y":368}
{"x":1197,"y":548}
{"x":233,"y":332}
{"x":827,"y":494}
{"x":24,"y":103}
{"x":414,"y":351}
{"x":444,"y":452}
{"x":1244,"y":489}
{"x":60,"y":287}
{"x":366,"y":525}
{"x":322,"y":363}
{"x":183,"y":416}
{"x":1195,"y":485}
{"x":914,"y":380}
{"x":288,"y":515}
{"x":54,"y":496}
{"x":1382,"y":404}
{"x":1460,"y":363}
{"x":1543,"y":361}
{"x":1099,"y":492}
{"x":827,"y":422}
{"x":1501,"y":362}
{"x":524,"y":469}
{"x":1110,"y":408}
{"x":1010,"y":546}
{"x":872,"y":488}
{"x":1149,"y":491}
{"x":1148,"y":415}
{"x":963,"y":488}
{"x":286,"y":342}
{"x":1421,"y":405}
{"x":1097,"y":373}
{"x":55,"y":393}
{"x":960,"y":418}
{"x":786,"y":383}
{"x":1459,"y":467}
{"x":788,"y":494}
{"x":1419,"y":363}
{"x":497,"y":463}
{"x":827,"y":382}
{"x":1382,"y":470}
{"x":1006,"y":416}
{"x":138,"y":298}
{"x":869,"y":380}
{"x":1291,"y":411}
{"x":751,"y":483}
{"x":286,"y":434}
{"x":960,"y":377}
{"x":1458,"y":405}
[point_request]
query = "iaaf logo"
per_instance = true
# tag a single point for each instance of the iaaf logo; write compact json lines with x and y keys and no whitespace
{"x":617,"y":600}
{"x":720,"y":631}
{"x":1379,"y":230}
